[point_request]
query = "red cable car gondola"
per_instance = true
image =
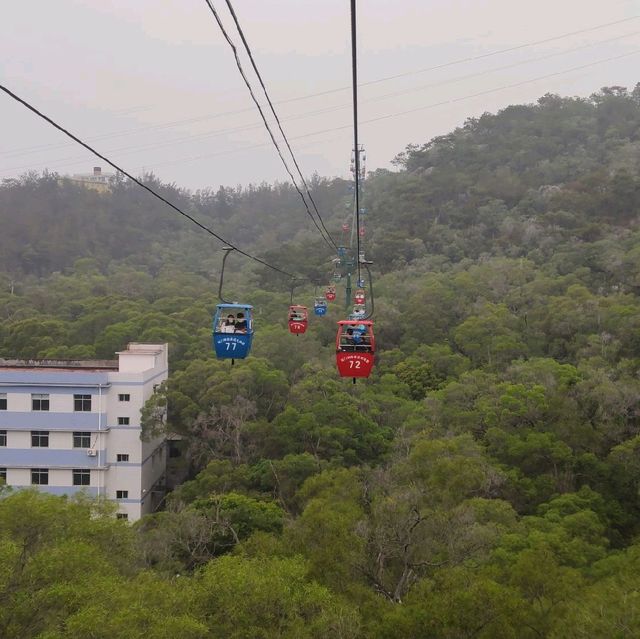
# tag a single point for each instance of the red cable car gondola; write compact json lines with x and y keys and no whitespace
{"x":330,"y":293}
{"x":355,"y":348}
{"x":359,"y":297}
{"x":298,"y":319}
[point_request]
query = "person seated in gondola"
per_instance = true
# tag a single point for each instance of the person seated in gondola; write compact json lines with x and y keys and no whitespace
{"x":365,"y":343}
{"x":347,"y":340}
{"x":361,"y":338}
{"x":228,"y":325}
{"x":296,"y":316}
{"x":241,"y":324}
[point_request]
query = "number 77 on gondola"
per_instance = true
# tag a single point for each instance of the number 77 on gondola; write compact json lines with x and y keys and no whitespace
{"x":233,"y":331}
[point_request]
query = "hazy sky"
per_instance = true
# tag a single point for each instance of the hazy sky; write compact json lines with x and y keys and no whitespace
{"x":153,"y":85}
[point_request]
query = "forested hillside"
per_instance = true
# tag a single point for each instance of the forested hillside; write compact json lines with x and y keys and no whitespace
{"x":484,"y":482}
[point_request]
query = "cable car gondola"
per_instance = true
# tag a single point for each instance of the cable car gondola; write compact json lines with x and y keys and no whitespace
{"x":359,"y":297}
{"x":355,"y":348}
{"x":330,"y":293}
{"x":320,"y":306}
{"x":232,"y":331}
{"x":298,"y":319}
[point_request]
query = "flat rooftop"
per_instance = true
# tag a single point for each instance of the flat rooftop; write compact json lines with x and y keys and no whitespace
{"x":61,"y":364}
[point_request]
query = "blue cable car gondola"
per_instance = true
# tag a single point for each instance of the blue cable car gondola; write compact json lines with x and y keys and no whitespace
{"x":233,"y":331}
{"x":320,"y":306}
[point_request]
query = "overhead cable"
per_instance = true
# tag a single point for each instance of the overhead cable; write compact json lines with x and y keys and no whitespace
{"x":492,"y":53}
{"x":275,"y":115}
{"x":356,"y":146}
{"x":137,"y":148}
{"x":433,"y":105}
{"x":192,"y":120}
{"x":502,"y":88}
{"x":329,"y":239}
{"x":138,"y":182}
{"x":344,"y":127}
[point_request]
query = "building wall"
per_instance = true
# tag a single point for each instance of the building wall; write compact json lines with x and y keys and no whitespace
{"x":140,"y":368}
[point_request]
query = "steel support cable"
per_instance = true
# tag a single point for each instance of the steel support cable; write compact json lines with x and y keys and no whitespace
{"x":356,"y":148}
{"x":477,"y":74}
{"x":433,"y":105}
{"x":389,"y":115}
{"x":503,"y":87}
{"x":452,"y":63}
{"x":277,"y":119}
{"x":492,"y":53}
{"x":329,"y":241}
{"x":200,"y":136}
{"x":137,"y":148}
{"x":335,"y":90}
{"x":138,"y":182}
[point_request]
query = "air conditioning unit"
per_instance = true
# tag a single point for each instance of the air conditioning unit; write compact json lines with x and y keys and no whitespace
{"x":91,"y":452}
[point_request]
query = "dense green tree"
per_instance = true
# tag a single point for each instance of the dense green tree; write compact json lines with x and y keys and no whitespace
{"x":483,"y":482}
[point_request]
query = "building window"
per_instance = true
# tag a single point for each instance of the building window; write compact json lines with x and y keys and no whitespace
{"x":3,"y":401}
{"x":81,"y":477}
{"x":3,"y":437}
{"x":40,"y":438}
{"x":82,"y":439}
{"x":122,"y":494}
{"x":40,"y":476}
{"x":124,"y":397}
{"x":122,"y":457}
{"x":122,"y":516}
{"x":39,"y":401}
{"x":82,"y":403}
{"x":123,"y":421}
{"x":3,"y":475}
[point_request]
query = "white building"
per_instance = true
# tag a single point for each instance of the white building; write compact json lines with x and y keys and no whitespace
{"x":67,"y":426}
{"x":95,"y":180}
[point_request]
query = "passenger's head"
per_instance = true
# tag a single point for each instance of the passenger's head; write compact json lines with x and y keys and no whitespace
{"x":240,"y":315}
{"x":230,"y":317}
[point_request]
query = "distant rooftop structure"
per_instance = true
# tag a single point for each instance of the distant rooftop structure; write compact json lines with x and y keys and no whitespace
{"x":133,"y":348}
{"x":96,"y":180}
{"x":65,"y":364}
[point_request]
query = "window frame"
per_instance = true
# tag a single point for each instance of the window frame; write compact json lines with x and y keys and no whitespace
{"x":80,"y":403}
{"x":124,"y":397}
{"x":124,"y":421}
{"x":3,"y":475}
{"x":123,"y":516}
{"x":3,"y":438}
{"x":122,"y":494}
{"x":40,"y":472}
{"x":81,"y":474}
{"x":37,"y":436}
{"x":122,"y":457}
{"x":44,"y":400}
{"x":4,"y":401}
{"x":80,"y":435}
